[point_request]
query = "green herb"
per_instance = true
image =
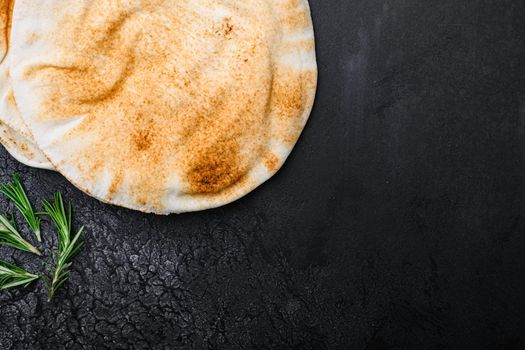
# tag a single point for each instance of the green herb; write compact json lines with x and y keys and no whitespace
{"x":16,"y":193}
{"x":12,"y":276}
{"x":10,"y":236}
{"x":67,"y":246}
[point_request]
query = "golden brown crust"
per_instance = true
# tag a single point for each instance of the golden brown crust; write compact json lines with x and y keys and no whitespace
{"x":271,"y":161}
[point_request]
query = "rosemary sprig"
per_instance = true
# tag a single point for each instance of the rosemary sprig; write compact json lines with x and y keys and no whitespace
{"x":16,"y":193}
{"x":67,"y":246}
{"x":10,"y":236}
{"x":12,"y":276}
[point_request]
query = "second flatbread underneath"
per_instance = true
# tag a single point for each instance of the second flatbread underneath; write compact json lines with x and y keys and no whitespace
{"x":14,"y":135}
{"x":22,"y":149}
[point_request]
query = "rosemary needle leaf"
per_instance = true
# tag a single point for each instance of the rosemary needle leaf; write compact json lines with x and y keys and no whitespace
{"x":12,"y":276}
{"x":16,"y":193}
{"x":10,"y":236}
{"x":67,"y":246}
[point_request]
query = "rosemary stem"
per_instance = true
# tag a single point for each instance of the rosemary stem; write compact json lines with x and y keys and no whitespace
{"x":53,"y":288}
{"x":38,"y":236}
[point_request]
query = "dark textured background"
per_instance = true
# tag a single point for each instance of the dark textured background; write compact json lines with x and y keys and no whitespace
{"x":397,"y":223}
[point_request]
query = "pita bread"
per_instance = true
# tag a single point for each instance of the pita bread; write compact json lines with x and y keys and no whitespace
{"x":14,"y":134}
{"x":165,"y":106}
{"x":22,"y":149}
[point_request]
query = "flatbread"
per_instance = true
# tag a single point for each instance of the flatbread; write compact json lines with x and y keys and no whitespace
{"x":165,"y":106}
{"x":14,"y":134}
{"x":22,"y":149}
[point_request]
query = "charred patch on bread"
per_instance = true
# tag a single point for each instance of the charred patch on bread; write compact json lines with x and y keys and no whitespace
{"x":212,"y":169}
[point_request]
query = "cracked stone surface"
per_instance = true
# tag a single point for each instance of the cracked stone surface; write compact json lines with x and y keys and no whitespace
{"x":397,"y":222}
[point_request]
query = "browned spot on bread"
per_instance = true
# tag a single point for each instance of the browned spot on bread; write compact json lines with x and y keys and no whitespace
{"x":115,"y":184}
{"x":271,"y":162}
{"x":288,"y":96}
{"x":142,"y":139}
{"x":214,"y":169}
{"x":291,"y":99}
{"x":227,"y":26}
{"x":143,"y":134}
{"x":10,"y":98}
{"x":296,"y":16}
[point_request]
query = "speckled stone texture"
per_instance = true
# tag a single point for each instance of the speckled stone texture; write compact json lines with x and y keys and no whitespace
{"x":397,"y":223}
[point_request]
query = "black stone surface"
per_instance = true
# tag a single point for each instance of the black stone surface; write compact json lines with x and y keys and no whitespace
{"x":397,"y":223}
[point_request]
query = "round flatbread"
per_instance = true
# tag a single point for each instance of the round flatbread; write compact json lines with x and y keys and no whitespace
{"x":14,"y":134}
{"x":165,"y":106}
